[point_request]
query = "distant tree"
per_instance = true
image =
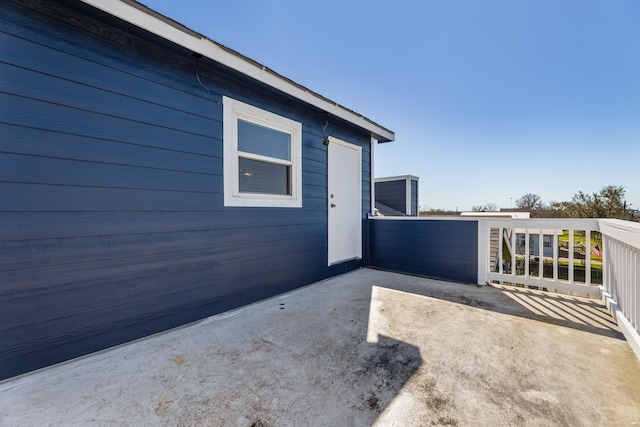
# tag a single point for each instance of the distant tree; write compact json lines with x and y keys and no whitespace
{"x":529,"y":202}
{"x":487,"y":207}
{"x":608,"y":203}
{"x":552,"y":210}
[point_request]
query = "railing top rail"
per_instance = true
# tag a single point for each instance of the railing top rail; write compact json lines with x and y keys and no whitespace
{"x":625,"y":231}
{"x":591,"y":224}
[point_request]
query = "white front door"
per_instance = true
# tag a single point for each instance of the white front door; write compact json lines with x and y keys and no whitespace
{"x":345,"y":201}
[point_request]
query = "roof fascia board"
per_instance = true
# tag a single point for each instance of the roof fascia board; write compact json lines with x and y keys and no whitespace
{"x":206,"y":47}
{"x":397,"y":178}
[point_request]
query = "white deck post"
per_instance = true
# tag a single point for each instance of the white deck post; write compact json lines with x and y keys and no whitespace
{"x":371,"y":177}
{"x":541,"y":254}
{"x":527,"y":253}
{"x":587,"y":257}
{"x":571,"y":231}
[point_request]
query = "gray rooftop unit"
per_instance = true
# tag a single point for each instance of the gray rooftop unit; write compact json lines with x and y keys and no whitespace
{"x":399,"y":193}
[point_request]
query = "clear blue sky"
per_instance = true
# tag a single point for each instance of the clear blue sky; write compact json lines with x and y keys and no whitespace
{"x":489,"y":99}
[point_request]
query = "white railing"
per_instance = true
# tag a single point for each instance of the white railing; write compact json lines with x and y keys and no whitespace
{"x":621,"y":288}
{"x":543,"y":253}
{"x":590,"y":257}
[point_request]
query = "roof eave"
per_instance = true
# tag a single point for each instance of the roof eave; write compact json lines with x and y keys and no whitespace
{"x":143,"y":17}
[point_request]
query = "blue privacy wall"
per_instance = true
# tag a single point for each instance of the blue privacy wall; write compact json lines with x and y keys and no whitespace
{"x":112,"y":224}
{"x":440,"y":249}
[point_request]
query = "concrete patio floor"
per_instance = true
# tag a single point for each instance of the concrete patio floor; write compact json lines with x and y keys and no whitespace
{"x":365,"y":348}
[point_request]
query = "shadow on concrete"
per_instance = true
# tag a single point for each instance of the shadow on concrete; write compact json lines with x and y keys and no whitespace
{"x":583,"y":314}
{"x":578,"y":313}
{"x":385,"y":367}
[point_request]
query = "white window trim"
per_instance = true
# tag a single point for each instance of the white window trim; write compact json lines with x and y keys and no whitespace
{"x":234,"y":110}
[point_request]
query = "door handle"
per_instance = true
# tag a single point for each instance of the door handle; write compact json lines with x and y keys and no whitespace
{"x":333,"y":205}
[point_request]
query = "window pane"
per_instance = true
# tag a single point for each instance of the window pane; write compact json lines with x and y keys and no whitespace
{"x":256,"y":139}
{"x":263,"y":177}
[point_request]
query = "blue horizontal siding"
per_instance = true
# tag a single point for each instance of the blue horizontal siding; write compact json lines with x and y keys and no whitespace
{"x":392,"y":194}
{"x":112,"y":223}
{"x":44,"y":253}
{"x":85,"y":292}
{"x":34,"y":113}
{"x":130,"y":71}
{"x":48,"y":143}
{"x":63,"y":348}
{"x":21,"y":168}
{"x":446,"y":250}
{"x":62,"y":92}
{"x":60,"y":225}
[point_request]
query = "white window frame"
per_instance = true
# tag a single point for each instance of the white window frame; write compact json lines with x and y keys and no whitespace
{"x":233,"y":110}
